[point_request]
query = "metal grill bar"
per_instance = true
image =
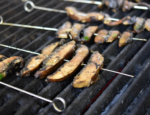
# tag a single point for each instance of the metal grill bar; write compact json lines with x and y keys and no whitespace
{"x":119,"y":82}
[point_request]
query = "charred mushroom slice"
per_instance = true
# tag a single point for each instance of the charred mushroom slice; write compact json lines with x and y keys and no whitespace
{"x":113,"y":35}
{"x":126,"y":38}
{"x":147,"y":24}
{"x":2,"y":57}
{"x":52,"y":62}
{"x":76,"y":31}
{"x":111,"y":3}
{"x":139,"y":25}
{"x":128,"y":5}
{"x":129,"y":20}
{"x":63,"y":31}
{"x":70,"y":67}
{"x":7,"y":65}
{"x":88,"y":75}
{"x":35,"y":62}
{"x":95,"y":16}
{"x":88,"y":33}
{"x":101,"y":36}
{"x":73,"y":13}
{"x":109,"y":22}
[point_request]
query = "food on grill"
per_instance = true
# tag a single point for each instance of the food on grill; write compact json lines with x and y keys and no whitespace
{"x":89,"y":74}
{"x":136,"y":21}
{"x":129,"y":20}
{"x":147,"y":24}
{"x":116,"y":4}
{"x":109,"y":22}
{"x":125,"y":38}
{"x":88,"y":33}
{"x":127,"y":5}
{"x":70,"y":67}
{"x":51,"y":63}
{"x":35,"y":62}
{"x":139,"y":25}
{"x":2,"y":57}
{"x":7,"y":65}
{"x":101,"y":36}
{"x":76,"y":31}
{"x":106,"y":36}
{"x":113,"y":35}
{"x":73,"y":13}
{"x":63,"y":31}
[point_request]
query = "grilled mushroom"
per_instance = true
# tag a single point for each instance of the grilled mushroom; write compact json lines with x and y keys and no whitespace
{"x":88,"y":33}
{"x":127,"y":5}
{"x":70,"y":67}
{"x":101,"y":36}
{"x":76,"y":31}
{"x":35,"y":62}
{"x":113,"y":35}
{"x":139,"y":25}
{"x":129,"y":20}
{"x":126,"y":38}
{"x":73,"y":13}
{"x":63,"y":31}
{"x":52,"y":62}
{"x":89,"y":74}
{"x":147,"y":24}
{"x":2,"y":57}
{"x":7,"y":65}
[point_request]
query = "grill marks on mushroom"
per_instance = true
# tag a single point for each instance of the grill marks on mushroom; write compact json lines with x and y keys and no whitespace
{"x":7,"y":65}
{"x":70,"y":67}
{"x":89,"y":74}
{"x":52,"y":62}
{"x":35,"y":62}
{"x":63,"y":31}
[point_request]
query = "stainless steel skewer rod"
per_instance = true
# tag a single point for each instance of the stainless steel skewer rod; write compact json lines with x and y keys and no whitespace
{"x":99,"y":3}
{"x":26,"y":26}
{"x":39,"y":97}
{"x":64,"y":59}
{"x":139,"y":39}
{"x":33,"y":6}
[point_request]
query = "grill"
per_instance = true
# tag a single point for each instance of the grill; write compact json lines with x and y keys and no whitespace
{"x":111,"y":94}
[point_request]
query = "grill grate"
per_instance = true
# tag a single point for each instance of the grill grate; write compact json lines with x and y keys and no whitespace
{"x":117,"y":98}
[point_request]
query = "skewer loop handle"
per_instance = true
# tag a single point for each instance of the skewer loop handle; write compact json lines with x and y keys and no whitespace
{"x":1,"y":20}
{"x":62,"y":101}
{"x":27,"y":4}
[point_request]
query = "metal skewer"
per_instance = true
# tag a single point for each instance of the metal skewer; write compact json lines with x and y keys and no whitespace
{"x":26,"y":26}
{"x":100,"y":3}
{"x":139,"y":39}
{"x":39,"y":97}
{"x":64,"y":59}
{"x":43,"y":28}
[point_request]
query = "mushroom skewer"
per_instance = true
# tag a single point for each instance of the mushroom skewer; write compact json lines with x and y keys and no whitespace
{"x":115,"y":4}
{"x":64,"y":59}
{"x":73,"y":13}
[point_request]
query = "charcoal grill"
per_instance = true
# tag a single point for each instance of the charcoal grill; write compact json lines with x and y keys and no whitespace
{"x":111,"y":95}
